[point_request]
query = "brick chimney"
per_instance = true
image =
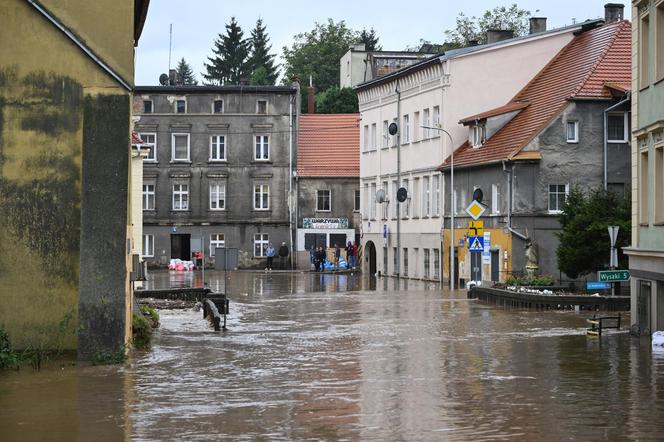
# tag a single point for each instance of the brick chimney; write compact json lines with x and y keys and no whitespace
{"x":613,"y":12}
{"x":311,"y":103}
{"x":537,"y":24}
{"x":172,"y":73}
{"x":496,"y":35}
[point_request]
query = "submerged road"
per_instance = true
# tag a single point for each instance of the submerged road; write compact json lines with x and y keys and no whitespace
{"x":335,"y":357}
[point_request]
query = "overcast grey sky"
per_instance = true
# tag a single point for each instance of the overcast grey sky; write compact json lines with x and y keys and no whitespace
{"x":196,"y":23}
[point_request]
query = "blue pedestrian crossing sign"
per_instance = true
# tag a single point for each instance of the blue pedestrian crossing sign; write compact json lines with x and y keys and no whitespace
{"x":476,"y":243}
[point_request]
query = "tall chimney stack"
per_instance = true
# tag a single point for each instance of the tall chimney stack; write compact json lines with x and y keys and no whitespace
{"x":172,"y":74}
{"x":613,"y":12}
{"x":496,"y":35}
{"x":537,"y":24}
{"x":311,"y":104}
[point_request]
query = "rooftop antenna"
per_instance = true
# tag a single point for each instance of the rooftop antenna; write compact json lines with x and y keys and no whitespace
{"x":170,"y":45}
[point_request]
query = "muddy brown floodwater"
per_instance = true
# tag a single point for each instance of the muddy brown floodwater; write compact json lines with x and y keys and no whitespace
{"x":334,"y":357}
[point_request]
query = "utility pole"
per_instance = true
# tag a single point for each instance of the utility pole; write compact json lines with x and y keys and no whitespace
{"x":398,"y":205}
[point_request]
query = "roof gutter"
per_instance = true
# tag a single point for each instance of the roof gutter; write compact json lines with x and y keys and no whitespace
{"x":94,"y":57}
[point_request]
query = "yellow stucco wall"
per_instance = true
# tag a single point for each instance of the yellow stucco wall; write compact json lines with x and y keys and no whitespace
{"x":43,"y":79}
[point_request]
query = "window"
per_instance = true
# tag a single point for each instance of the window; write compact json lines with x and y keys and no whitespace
{"x":644,"y":41}
{"x":427,"y":264}
{"x":262,"y":148}
{"x":436,"y":195}
{"x":406,"y":204}
{"x":148,"y":246}
{"x":436,"y":119}
{"x":644,"y":188}
{"x":180,"y":196}
{"x":372,"y":195}
{"x":373,"y":136}
{"x":261,"y":240}
{"x":572,"y":131}
{"x":405,"y":130}
{"x":425,"y":122}
{"x":147,"y":106}
{"x":181,"y":106}
{"x":323,"y":198}
{"x":365,"y":145}
{"x":557,"y":195}
{"x":217,"y":240}
{"x":386,"y":134}
{"x":495,"y":203}
{"x":356,"y":208}
{"x":393,"y":198}
{"x":436,"y":263}
{"x":395,"y":262}
{"x":393,"y":142}
{"x":416,"y":198}
{"x":217,"y":196}
{"x":385,"y":205}
{"x":218,"y":106}
{"x":385,"y":258}
{"x":416,"y":126}
{"x":150,"y":139}
{"x":479,"y":135}
{"x":426,"y":208}
{"x":659,"y":42}
{"x":617,"y":127}
{"x":261,"y":197}
{"x":180,"y":147}
{"x":148,"y":196}
{"x":261,"y":107}
{"x":405,"y":261}
{"x":365,"y":202}
{"x":658,"y":200}
{"x":217,"y":148}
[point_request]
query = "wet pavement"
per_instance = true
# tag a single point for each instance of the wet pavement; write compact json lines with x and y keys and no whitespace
{"x":334,"y":357}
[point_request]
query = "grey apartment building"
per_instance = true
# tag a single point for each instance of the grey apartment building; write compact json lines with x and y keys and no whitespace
{"x":219,"y":170}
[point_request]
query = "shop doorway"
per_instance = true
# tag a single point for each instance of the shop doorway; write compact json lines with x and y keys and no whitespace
{"x":181,"y":246}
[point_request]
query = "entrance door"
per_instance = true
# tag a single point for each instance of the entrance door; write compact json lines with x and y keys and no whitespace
{"x":370,"y":250}
{"x":181,"y":247}
{"x":475,"y":266}
{"x":495,"y":266}
{"x":643,"y":308}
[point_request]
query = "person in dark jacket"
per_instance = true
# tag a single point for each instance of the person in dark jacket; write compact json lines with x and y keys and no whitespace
{"x":320,"y":259}
{"x":283,"y":254}
{"x":350,"y":262}
{"x":337,"y":255}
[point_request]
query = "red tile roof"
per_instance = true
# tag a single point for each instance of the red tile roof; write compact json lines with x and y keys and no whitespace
{"x":329,"y":145}
{"x":509,"y":107}
{"x":579,"y":70}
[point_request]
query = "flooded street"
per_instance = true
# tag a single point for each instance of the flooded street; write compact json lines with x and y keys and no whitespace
{"x":331,"y":357}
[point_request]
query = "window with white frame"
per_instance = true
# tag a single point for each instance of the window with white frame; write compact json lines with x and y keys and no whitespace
{"x":495,"y":201}
{"x":365,"y":145}
{"x":181,"y":106}
{"x":426,"y":199}
{"x":148,"y":196}
{"x":405,"y":130}
{"x":436,"y":195}
{"x":180,"y":147}
{"x":416,"y":197}
{"x":557,"y":195}
{"x":323,"y":200}
{"x":365,"y":202}
{"x":479,"y":135}
{"x":217,"y":148}
{"x":218,"y":106}
{"x":386,"y":135}
{"x":435,"y":122}
{"x":427,"y":264}
{"x":180,"y":196}
{"x":261,"y":241}
{"x":617,"y":127}
{"x":217,"y":196}
{"x":393,"y":198}
{"x":148,"y":106}
{"x":372,"y":196}
{"x":150,"y":141}
{"x":262,"y":151}
{"x":416,"y":126}
{"x":148,"y":246}
{"x":436,"y":263}
{"x":261,"y":197}
{"x":261,"y":107}
{"x":386,"y":204}
{"x":373,"y":137}
{"x":572,"y":131}
{"x":393,"y":142}
{"x":217,"y":240}
{"x":356,"y":207}
{"x":426,"y":122}
{"x":406,"y":204}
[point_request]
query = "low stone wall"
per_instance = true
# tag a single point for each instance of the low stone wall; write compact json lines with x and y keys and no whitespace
{"x":512,"y":299}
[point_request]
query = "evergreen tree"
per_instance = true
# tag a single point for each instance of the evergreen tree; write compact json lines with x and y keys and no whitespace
{"x":184,"y":74}
{"x":261,"y":62}
{"x":229,"y":63}
{"x":337,"y":101}
{"x":370,"y":40}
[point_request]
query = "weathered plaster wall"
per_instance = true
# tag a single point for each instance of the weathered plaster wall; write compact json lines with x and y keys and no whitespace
{"x":342,"y":192}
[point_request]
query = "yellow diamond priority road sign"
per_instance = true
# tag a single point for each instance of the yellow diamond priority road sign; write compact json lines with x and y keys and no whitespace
{"x":475,"y":210}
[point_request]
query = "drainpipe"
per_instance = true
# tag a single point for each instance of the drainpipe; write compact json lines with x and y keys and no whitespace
{"x":606,"y":136}
{"x":290,"y":177}
{"x":398,"y":205}
{"x":509,"y":171}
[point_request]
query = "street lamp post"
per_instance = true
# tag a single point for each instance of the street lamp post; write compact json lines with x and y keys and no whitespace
{"x":451,"y":201}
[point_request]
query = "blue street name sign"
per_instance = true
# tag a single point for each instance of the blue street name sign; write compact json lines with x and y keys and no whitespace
{"x":598,"y":285}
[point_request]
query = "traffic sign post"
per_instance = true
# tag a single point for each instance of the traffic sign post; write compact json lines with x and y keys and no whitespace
{"x":475,"y":210}
{"x":613,"y":236}
{"x":476,"y":243}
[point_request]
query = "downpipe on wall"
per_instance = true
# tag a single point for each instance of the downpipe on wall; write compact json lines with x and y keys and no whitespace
{"x":508,"y":168}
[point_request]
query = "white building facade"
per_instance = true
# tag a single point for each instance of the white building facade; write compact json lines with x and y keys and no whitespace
{"x":436,"y":92}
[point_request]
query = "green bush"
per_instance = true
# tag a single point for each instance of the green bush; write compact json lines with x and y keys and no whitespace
{"x":8,"y":358}
{"x":539,"y":280}
{"x":142,"y":331}
{"x":152,"y":314}
{"x":110,"y":357}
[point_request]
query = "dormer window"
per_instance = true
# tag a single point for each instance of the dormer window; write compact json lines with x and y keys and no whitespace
{"x":478,"y":134}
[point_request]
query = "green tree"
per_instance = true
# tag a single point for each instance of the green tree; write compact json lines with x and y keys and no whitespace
{"x":184,"y":74}
{"x":317,"y":53}
{"x":337,"y":101}
{"x":474,"y":28}
{"x":261,"y":62}
{"x":228,"y":65}
{"x":370,"y":40}
{"x":584,"y":237}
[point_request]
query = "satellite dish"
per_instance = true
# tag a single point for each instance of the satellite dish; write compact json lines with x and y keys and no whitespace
{"x":380,"y":196}
{"x":163,"y":79}
{"x":402,"y":194}
{"x":478,"y":195}
{"x":393,"y":128}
